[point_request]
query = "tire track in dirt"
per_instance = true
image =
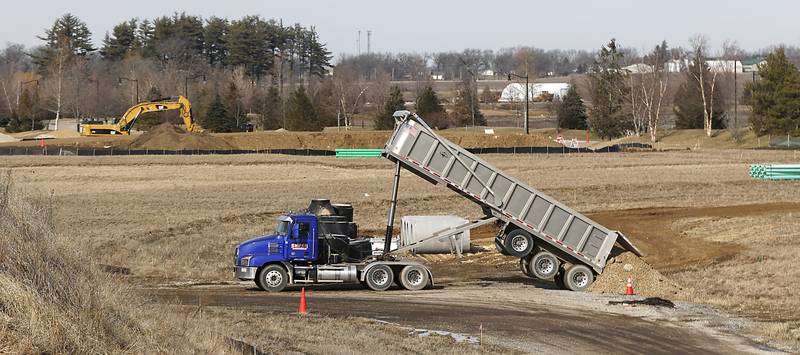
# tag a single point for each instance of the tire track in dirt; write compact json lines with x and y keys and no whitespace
{"x":671,"y":251}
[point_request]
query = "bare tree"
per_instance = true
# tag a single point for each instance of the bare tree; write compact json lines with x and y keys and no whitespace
{"x":654,"y":87}
{"x":731,"y":52}
{"x":349,"y":90}
{"x":707,"y":80}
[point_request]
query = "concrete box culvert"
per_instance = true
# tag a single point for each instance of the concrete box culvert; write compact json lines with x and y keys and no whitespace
{"x":415,"y":228}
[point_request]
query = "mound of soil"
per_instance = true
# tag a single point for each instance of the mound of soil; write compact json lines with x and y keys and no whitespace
{"x":646,"y":280}
{"x":171,"y":137}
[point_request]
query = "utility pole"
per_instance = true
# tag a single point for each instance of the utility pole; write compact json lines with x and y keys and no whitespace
{"x":358,"y":43}
{"x":369,"y":41}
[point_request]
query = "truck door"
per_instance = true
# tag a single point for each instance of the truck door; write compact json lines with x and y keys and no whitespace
{"x":302,"y":241}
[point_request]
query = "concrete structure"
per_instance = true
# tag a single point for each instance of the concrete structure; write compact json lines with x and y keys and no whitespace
{"x":515,"y":92}
{"x":416,"y":228}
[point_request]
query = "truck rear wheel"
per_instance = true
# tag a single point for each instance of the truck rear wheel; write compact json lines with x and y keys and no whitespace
{"x":379,"y":277}
{"x":544,"y":265}
{"x":272,"y":278}
{"x":518,"y":243}
{"x":414,"y":277}
{"x":577,"y":278}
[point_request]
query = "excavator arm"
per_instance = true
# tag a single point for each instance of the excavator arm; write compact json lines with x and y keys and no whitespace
{"x":125,"y":124}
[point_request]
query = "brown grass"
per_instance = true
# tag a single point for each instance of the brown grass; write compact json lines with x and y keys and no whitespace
{"x":143,"y":212}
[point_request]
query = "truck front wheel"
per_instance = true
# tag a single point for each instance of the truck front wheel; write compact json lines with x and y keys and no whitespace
{"x":272,"y":278}
{"x":379,"y":277}
{"x":414,"y":278}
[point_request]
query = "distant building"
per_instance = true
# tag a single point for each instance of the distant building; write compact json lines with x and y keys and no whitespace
{"x":676,"y":65}
{"x":724,"y":66}
{"x":515,"y":92}
{"x":437,"y":76}
{"x":751,"y":65}
{"x":638,"y":68}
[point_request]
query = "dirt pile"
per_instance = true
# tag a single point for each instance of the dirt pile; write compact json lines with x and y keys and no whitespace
{"x":171,"y":137}
{"x":646,"y":280}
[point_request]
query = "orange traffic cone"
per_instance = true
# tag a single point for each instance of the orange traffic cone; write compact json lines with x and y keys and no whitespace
{"x":629,"y":287}
{"x":303,"y":307}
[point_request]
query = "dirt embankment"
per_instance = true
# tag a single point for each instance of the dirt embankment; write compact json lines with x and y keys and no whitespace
{"x":171,"y":137}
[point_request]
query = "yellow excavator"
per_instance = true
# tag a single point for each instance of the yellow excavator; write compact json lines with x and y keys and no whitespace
{"x":125,"y":124}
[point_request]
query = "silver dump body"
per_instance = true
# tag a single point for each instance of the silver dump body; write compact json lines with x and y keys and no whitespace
{"x":420,"y":150}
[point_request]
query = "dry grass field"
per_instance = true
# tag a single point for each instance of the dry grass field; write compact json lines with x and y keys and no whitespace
{"x":179,"y":218}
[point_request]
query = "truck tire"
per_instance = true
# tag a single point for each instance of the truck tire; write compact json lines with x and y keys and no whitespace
{"x":544,"y":265}
{"x":272,"y":278}
{"x":578,"y":278}
{"x":518,"y":243}
{"x":414,"y":278}
{"x":379,"y":277}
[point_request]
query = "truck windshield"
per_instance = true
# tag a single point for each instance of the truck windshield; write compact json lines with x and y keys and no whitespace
{"x":283,"y":227}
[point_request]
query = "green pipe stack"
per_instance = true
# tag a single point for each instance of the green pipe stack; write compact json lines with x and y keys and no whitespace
{"x":358,"y":153}
{"x":775,"y":172}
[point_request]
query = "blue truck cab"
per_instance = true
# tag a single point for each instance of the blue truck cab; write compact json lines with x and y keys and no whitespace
{"x":321,"y":245}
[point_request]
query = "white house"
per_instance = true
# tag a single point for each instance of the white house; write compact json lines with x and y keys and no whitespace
{"x":515,"y":92}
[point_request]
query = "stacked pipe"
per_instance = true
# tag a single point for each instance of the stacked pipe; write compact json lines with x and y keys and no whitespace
{"x":775,"y":172}
{"x":358,"y":153}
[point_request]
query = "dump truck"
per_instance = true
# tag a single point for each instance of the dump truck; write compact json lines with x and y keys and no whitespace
{"x":551,"y":240}
{"x":321,"y":244}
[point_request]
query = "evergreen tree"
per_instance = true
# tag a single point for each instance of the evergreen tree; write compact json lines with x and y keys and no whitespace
{"x":300,"y":113}
{"x":217,"y":118}
{"x":121,"y":42}
{"x":233,"y":102}
{"x":608,"y":118}
{"x":430,"y":109}
{"x":67,"y":38}
{"x":466,"y":104}
{"x":14,"y":124}
{"x":776,"y":96}
{"x":385,"y":119}
{"x":689,"y":101}
{"x":271,"y":118}
{"x":572,"y":112}
{"x":246,"y":41}
{"x":144,"y":38}
{"x":26,"y":111}
{"x":214,"y":36}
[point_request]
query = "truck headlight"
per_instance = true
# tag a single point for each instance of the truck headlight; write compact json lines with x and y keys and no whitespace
{"x":246,"y":260}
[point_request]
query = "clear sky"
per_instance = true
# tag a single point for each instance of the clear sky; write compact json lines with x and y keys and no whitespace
{"x":437,"y":25}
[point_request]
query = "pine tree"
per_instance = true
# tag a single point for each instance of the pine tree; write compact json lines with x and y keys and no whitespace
{"x":608,"y":118}
{"x":121,"y":42}
{"x":572,"y":112}
{"x":271,"y":110}
{"x":26,"y":111}
{"x":689,"y":101}
{"x":246,"y":41}
{"x":431,"y":110}
{"x":385,"y":119}
{"x":776,"y":96}
{"x":214,"y":40}
{"x":300,"y":113}
{"x":14,"y":125}
{"x":217,"y":117}
{"x":67,"y":38}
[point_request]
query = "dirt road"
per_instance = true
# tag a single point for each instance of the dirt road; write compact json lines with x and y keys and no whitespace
{"x":519,"y":317}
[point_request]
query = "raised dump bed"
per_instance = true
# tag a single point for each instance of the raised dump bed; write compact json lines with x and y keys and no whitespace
{"x":551,"y":239}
